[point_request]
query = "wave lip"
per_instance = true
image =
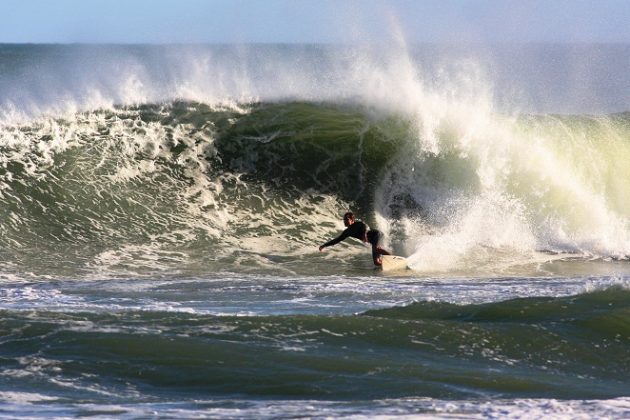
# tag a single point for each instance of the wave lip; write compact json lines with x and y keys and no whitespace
{"x":150,"y":147}
{"x":153,"y":186}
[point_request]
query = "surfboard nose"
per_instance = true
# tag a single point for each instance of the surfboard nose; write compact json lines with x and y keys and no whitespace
{"x":393,"y":263}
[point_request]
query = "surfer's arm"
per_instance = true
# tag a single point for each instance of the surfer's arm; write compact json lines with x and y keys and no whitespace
{"x":335,"y":241}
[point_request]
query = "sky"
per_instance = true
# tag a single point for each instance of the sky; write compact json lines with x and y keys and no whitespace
{"x":313,"y":21}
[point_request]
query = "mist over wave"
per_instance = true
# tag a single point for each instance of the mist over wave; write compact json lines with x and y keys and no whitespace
{"x":184,"y":156}
{"x":45,"y":79}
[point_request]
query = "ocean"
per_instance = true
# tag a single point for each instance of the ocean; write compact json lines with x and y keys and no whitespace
{"x":162,"y":209}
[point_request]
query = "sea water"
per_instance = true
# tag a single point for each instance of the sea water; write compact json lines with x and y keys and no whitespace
{"x":162,"y":208}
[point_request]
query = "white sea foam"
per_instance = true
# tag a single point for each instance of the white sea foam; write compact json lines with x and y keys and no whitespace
{"x":260,"y":296}
{"x":25,"y":405}
{"x":484,"y":184}
{"x":24,"y":397}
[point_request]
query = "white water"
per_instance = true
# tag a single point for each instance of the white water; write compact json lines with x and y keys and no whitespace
{"x":490,"y":185}
{"x":494,"y":190}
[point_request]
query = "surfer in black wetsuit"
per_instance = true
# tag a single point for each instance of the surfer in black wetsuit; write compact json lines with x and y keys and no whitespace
{"x":358,"y":229}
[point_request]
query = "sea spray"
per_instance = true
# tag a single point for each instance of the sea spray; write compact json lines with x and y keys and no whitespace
{"x":418,"y":148}
{"x":162,"y":207}
{"x":522,"y":184}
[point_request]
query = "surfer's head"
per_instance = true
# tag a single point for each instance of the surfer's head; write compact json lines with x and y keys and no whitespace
{"x":348,"y":219}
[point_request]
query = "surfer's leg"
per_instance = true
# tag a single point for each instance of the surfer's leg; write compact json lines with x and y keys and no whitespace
{"x":376,"y":239}
{"x":376,"y":256}
{"x":381,"y":251}
{"x":377,"y":252}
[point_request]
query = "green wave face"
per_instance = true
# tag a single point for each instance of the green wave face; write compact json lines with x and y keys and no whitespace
{"x":185,"y":186}
{"x":161,"y":209}
{"x":175,"y":181}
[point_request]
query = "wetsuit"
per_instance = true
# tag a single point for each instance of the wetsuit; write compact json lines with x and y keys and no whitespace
{"x":356,"y":230}
{"x":360,"y":231}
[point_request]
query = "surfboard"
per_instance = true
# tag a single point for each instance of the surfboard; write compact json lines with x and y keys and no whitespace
{"x":394,"y":263}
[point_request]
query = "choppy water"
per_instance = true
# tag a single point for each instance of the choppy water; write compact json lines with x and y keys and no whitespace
{"x":162,"y":208}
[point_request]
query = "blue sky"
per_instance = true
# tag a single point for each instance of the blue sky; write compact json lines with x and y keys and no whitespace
{"x":242,"y":21}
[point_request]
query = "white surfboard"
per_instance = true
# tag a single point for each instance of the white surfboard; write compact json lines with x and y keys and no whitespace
{"x":394,"y":263}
